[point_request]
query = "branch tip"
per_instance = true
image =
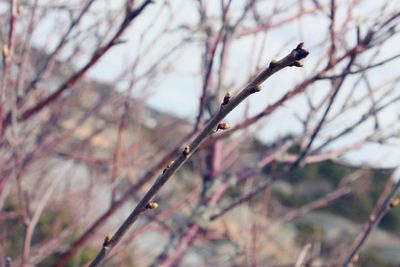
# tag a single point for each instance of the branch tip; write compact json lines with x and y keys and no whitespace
{"x":299,"y":52}
{"x":300,"y":45}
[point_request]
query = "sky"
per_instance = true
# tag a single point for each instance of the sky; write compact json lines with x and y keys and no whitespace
{"x":178,"y":92}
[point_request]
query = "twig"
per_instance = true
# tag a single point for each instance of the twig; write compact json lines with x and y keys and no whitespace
{"x":332,"y":49}
{"x":209,"y":62}
{"x":351,"y":72}
{"x":336,"y":87}
{"x":8,"y":54}
{"x":117,"y":152}
{"x":380,"y":210}
{"x":35,"y":218}
{"x":318,"y":203}
{"x":303,"y":255}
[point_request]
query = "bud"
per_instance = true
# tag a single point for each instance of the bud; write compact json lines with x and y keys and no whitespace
{"x":297,"y":64}
{"x":152,"y":205}
{"x":5,"y":50}
{"x":394,"y":203}
{"x":372,"y":218}
{"x":20,"y":8}
{"x":300,"y":45}
{"x":227,"y":98}
{"x":107,"y":240}
{"x":255,"y":89}
{"x":223,"y":126}
{"x":299,"y":53}
{"x":355,"y":258}
{"x":186,"y":150}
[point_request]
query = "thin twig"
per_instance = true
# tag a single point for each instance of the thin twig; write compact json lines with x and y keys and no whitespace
{"x":35,"y":218}
{"x":117,"y":152}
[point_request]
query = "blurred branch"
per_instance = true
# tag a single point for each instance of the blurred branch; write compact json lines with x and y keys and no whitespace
{"x":117,"y":151}
{"x":380,"y":210}
{"x":35,"y":218}
{"x":8,"y":55}
{"x":53,"y":54}
{"x":99,"y":53}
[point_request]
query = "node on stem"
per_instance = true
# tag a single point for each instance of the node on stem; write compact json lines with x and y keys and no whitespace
{"x":226,"y":100}
{"x":186,"y":150}
{"x":223,"y":126}
{"x":152,"y":205}
{"x":107,"y":240}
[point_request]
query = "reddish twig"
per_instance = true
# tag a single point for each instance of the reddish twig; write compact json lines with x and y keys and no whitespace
{"x":117,"y":151}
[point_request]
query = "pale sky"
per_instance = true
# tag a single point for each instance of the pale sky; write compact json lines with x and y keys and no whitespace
{"x":178,"y":92}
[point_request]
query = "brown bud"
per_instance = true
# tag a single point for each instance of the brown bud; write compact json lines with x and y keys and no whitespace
{"x":299,"y":53}
{"x":372,"y":218}
{"x":273,"y":64}
{"x":5,"y":50}
{"x":297,"y":64}
{"x":355,"y":258}
{"x":152,"y":205}
{"x":394,"y":203}
{"x":255,"y":89}
{"x":107,"y":240}
{"x":223,"y":126}
{"x":227,"y":98}
{"x":186,"y":150}
{"x":20,"y":8}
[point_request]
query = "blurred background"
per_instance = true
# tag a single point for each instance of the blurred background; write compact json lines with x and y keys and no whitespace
{"x":99,"y":96}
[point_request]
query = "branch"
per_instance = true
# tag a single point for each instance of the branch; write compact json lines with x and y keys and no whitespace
{"x":99,"y":53}
{"x":337,"y":85}
{"x":362,"y":69}
{"x":292,"y":59}
{"x":117,"y":151}
{"x":380,"y":210}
